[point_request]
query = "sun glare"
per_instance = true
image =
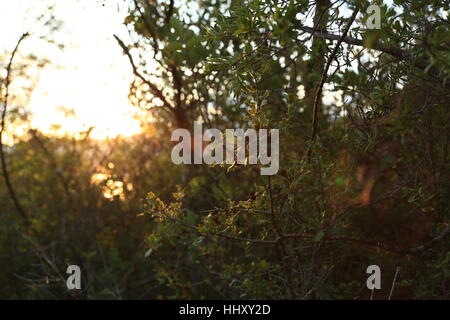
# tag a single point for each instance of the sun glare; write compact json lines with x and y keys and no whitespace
{"x":90,"y":77}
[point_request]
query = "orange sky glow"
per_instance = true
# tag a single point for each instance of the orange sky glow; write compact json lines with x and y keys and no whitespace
{"x":90,"y":76}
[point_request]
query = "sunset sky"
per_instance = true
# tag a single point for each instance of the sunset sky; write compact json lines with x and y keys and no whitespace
{"x":90,"y":76}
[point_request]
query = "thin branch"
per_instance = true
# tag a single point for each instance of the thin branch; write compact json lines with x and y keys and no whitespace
{"x":322,"y":81}
{"x":393,"y":51}
{"x":156,"y":92}
{"x":393,"y":283}
{"x":389,"y":49}
{"x":432,"y":242}
{"x":9,"y":186}
{"x":169,"y":12}
{"x":148,"y":26}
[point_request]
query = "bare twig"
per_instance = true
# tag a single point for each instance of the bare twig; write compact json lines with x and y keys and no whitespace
{"x":322,"y":81}
{"x":148,"y":26}
{"x":393,"y":283}
{"x":432,"y":242}
{"x":155,"y":91}
{"x":6,"y":177}
{"x":389,"y":49}
{"x":393,"y":51}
